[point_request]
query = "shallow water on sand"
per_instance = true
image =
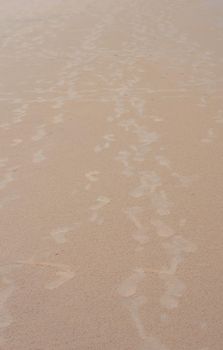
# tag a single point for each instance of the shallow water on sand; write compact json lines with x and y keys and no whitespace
{"x":111,"y":131}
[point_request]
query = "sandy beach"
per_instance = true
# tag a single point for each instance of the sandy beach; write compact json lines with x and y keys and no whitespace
{"x":111,"y":168}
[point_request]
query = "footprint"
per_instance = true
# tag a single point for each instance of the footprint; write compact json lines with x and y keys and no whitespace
{"x":141,"y":237}
{"x":3,"y":162}
{"x":8,"y":177}
{"x":156,"y":118}
{"x":174,"y":290}
{"x":148,"y":341}
{"x":39,"y":134}
{"x":63,"y":273}
{"x":219,"y":117}
{"x":38,"y":156}
{"x":58,"y":119}
{"x":161,"y":203}
{"x":16,"y":142}
{"x":59,"y":235}
{"x":108,"y":140}
{"x":210,"y":136}
{"x":124,"y":158}
{"x":92,"y":175}
{"x":149,"y":182}
{"x":141,"y":233}
{"x":96,"y":218}
{"x":179,"y":245}
{"x":6,"y":289}
{"x":6,"y":200}
{"x":162,"y":229}
{"x":5,"y":293}
{"x":101,"y":202}
{"x":5,"y":126}
{"x":184,"y":180}
{"x":63,"y":276}
{"x":163,"y":161}
{"x":129,"y":286}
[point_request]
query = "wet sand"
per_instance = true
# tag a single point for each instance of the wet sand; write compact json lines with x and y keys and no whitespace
{"x":111,"y":172}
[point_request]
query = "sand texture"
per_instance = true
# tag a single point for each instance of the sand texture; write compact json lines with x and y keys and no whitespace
{"x":111,"y":175}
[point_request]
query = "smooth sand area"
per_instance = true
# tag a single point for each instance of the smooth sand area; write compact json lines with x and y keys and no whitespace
{"x":111,"y":175}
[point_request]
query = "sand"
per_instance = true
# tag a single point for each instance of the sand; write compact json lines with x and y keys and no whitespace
{"x":111,"y":170}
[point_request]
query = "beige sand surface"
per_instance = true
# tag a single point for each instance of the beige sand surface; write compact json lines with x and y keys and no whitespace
{"x":111,"y":175}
